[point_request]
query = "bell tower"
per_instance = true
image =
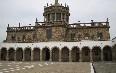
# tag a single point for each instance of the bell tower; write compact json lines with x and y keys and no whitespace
{"x":56,"y":12}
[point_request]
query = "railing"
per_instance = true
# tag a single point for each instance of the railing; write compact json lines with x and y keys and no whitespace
{"x":20,"y":28}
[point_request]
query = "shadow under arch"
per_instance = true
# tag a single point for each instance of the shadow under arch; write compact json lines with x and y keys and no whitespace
{"x":75,"y":55}
{"x":65,"y":54}
{"x":11,"y":54}
{"x":55,"y":54}
{"x":107,"y":53}
{"x":86,"y":54}
{"x":36,"y":54}
{"x":19,"y":54}
{"x":96,"y":53}
{"x":3,"y":54}
{"x":27,"y":54}
{"x":45,"y":54}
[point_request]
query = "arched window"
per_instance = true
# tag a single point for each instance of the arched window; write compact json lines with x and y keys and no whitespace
{"x":23,"y":38}
{"x":86,"y":36}
{"x":49,"y":33}
{"x":100,"y":35}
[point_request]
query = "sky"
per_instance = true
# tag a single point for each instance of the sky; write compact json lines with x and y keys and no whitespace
{"x":25,"y":12}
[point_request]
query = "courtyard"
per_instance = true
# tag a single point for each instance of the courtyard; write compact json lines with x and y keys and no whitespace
{"x":44,"y":67}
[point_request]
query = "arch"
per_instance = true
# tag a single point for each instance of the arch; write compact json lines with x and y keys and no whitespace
{"x":65,"y":54}
{"x":36,"y":54}
{"x":19,"y":54}
{"x":86,"y":54}
{"x":27,"y":54}
{"x":45,"y":54}
{"x":11,"y":54}
{"x":55,"y":54}
{"x":3,"y":54}
{"x":107,"y":53}
{"x":96,"y":53}
{"x":75,"y":54}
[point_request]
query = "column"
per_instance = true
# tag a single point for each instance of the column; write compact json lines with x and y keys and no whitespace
{"x":113,"y":54}
{"x":102,"y":55}
{"x":60,"y":59}
{"x":70,"y":59}
{"x":50,"y":17}
{"x":23,"y":55}
{"x":0,"y":54}
{"x":91,"y":58}
{"x":50,"y":56}
{"x":7,"y":56}
{"x":31,"y":54}
{"x":15,"y":55}
{"x":55,"y":16}
{"x":40,"y":55}
{"x":80,"y":54}
{"x":61,"y":16}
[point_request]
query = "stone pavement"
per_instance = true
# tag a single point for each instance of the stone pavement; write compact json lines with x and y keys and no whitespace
{"x":105,"y":67}
{"x":44,"y":67}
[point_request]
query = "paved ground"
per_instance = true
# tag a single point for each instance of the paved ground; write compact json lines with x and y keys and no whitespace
{"x":44,"y":67}
{"x":105,"y":67}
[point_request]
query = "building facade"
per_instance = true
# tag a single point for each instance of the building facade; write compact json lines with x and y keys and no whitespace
{"x":57,"y":40}
{"x":56,"y":27}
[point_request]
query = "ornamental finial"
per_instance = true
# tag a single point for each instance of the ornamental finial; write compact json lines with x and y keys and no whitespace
{"x":56,"y":1}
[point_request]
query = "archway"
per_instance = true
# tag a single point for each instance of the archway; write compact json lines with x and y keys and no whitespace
{"x":3,"y":54}
{"x":65,"y":54}
{"x":11,"y":54}
{"x":107,"y":53}
{"x":55,"y":54}
{"x":96,"y":54}
{"x":27,"y":54}
{"x":19,"y":54}
{"x":36,"y":54}
{"x":75,"y":54}
{"x":45,"y":54}
{"x":85,"y":54}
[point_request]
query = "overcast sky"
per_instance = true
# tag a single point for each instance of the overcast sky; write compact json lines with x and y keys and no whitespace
{"x":25,"y":12}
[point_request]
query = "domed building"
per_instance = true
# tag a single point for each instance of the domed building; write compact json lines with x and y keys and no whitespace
{"x":57,"y":40}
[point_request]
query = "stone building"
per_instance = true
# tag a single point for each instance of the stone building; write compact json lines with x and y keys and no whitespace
{"x":56,"y":27}
{"x":57,"y":40}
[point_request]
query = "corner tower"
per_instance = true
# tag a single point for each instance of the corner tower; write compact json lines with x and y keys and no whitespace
{"x":56,"y":12}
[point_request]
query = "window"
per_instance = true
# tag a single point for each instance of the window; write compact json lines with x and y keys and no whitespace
{"x":73,"y":36}
{"x":100,"y":35}
{"x":86,"y":36}
{"x":67,"y":18}
{"x":49,"y":33}
{"x":23,"y":38}
{"x":58,"y":16}
{"x":92,"y":37}
{"x":53,"y":16}
{"x":13,"y":38}
{"x":48,"y":17}
{"x":18,"y":39}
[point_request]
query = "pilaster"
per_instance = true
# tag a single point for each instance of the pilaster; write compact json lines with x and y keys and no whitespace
{"x":31,"y":55}
{"x":80,"y":54}
{"x":40,"y":55}
{"x":102,"y":55}
{"x":7,"y":56}
{"x":60,"y":60}
{"x":50,"y":56}
{"x":15,"y":55}
{"x":23,"y":55}
{"x":91,"y":58}
{"x":70,"y":59}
